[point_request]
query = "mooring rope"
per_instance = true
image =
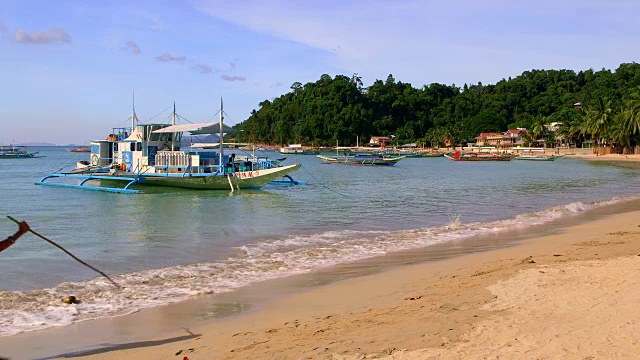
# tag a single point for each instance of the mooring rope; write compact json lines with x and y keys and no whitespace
{"x":68,"y":253}
{"x":319,"y":182}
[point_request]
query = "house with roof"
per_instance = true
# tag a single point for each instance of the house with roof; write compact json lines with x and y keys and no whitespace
{"x":507,"y":139}
{"x":381,"y":141}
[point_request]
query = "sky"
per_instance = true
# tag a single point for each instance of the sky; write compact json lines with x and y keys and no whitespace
{"x":69,"y":69}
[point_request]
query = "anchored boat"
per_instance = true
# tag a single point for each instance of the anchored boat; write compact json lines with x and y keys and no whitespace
{"x":361,"y":159}
{"x":535,"y":157}
{"x":80,"y":149}
{"x":467,"y":156}
{"x":297,"y":149}
{"x":16,"y":152}
{"x":153,"y":154}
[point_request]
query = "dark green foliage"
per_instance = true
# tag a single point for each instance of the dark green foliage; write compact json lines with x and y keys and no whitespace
{"x":340,"y":109}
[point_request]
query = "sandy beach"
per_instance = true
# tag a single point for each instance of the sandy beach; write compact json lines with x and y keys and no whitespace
{"x":570,"y":295}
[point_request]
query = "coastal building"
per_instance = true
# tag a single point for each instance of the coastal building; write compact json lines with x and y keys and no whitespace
{"x":503,"y":140}
{"x":381,"y":141}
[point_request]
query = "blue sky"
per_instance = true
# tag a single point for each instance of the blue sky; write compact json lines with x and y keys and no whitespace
{"x":68,"y":68}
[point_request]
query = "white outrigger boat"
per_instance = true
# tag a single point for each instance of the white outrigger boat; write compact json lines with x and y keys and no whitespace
{"x":152,"y":154}
{"x":535,"y":157}
{"x":361,"y":159}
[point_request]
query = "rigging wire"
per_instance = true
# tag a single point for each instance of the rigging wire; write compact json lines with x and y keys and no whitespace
{"x":67,"y":164}
{"x":160,"y":113}
{"x":321,"y":183}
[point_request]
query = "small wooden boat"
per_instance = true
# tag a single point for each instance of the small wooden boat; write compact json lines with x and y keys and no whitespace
{"x":535,"y":157}
{"x":297,"y":149}
{"x":16,"y":152}
{"x":472,"y":156}
{"x":362,"y":159}
{"x":80,"y":149}
{"x":431,"y":154}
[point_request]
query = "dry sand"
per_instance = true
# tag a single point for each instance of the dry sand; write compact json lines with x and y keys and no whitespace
{"x":609,"y":157}
{"x":567,"y":296}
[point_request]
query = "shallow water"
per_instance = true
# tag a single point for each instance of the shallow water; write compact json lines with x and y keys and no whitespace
{"x":170,"y":245}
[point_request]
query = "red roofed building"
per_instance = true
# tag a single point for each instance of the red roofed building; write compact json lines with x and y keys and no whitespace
{"x":507,"y":139}
{"x":381,"y":141}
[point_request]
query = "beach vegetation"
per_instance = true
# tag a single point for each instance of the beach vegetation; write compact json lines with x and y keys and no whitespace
{"x":602,"y":107}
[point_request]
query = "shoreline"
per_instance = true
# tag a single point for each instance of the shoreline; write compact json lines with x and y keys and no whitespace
{"x":368,"y":315}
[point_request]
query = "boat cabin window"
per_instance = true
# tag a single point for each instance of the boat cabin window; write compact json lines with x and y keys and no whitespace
{"x":152,"y":136}
{"x":138,"y":146}
{"x":132,"y":146}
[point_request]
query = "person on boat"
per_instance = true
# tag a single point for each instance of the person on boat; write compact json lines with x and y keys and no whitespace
{"x":23,"y":227}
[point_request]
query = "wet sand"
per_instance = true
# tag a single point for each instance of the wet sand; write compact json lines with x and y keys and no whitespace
{"x":568,"y":295}
{"x":628,"y":161}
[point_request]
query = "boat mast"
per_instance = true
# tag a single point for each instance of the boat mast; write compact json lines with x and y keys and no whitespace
{"x":133,"y":115}
{"x":173,"y":122}
{"x":221,"y":137}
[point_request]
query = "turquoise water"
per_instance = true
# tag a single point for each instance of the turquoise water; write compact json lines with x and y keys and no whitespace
{"x":169,"y":245}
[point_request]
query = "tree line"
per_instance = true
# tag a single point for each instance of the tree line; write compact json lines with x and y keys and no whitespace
{"x":341,"y":109}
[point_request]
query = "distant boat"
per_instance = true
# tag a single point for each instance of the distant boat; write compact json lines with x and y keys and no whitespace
{"x":472,"y":156}
{"x":297,"y":149}
{"x":80,"y":149}
{"x":16,"y":152}
{"x":535,"y":157}
{"x":362,"y":159}
{"x":431,"y":154}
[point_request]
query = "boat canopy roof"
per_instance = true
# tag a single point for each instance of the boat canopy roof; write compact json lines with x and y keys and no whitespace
{"x":217,"y":145}
{"x":184,"y":127}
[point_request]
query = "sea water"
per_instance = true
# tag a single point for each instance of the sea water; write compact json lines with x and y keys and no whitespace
{"x":167,"y":245}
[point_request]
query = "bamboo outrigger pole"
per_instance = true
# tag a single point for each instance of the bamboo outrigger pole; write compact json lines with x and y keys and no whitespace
{"x":68,"y":253}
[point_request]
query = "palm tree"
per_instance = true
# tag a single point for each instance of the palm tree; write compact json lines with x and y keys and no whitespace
{"x":568,"y":130}
{"x":356,"y":80}
{"x":539,"y":130}
{"x":627,"y":122}
{"x":632,"y":110}
{"x":599,"y":118}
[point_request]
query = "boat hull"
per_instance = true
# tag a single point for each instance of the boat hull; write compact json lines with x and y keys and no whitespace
{"x":299,"y":152}
{"x":19,"y":156}
{"x":465,"y":157}
{"x":237,"y":180}
{"x":361,"y":160}
{"x":535,"y":158}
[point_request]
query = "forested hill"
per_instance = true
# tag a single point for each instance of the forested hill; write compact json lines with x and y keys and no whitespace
{"x":341,"y":109}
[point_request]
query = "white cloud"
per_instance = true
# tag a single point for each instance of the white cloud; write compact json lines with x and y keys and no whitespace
{"x":202,"y":68}
{"x":37,"y":37}
{"x":232,"y":78}
{"x":132,"y":46}
{"x":167,"y":57}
